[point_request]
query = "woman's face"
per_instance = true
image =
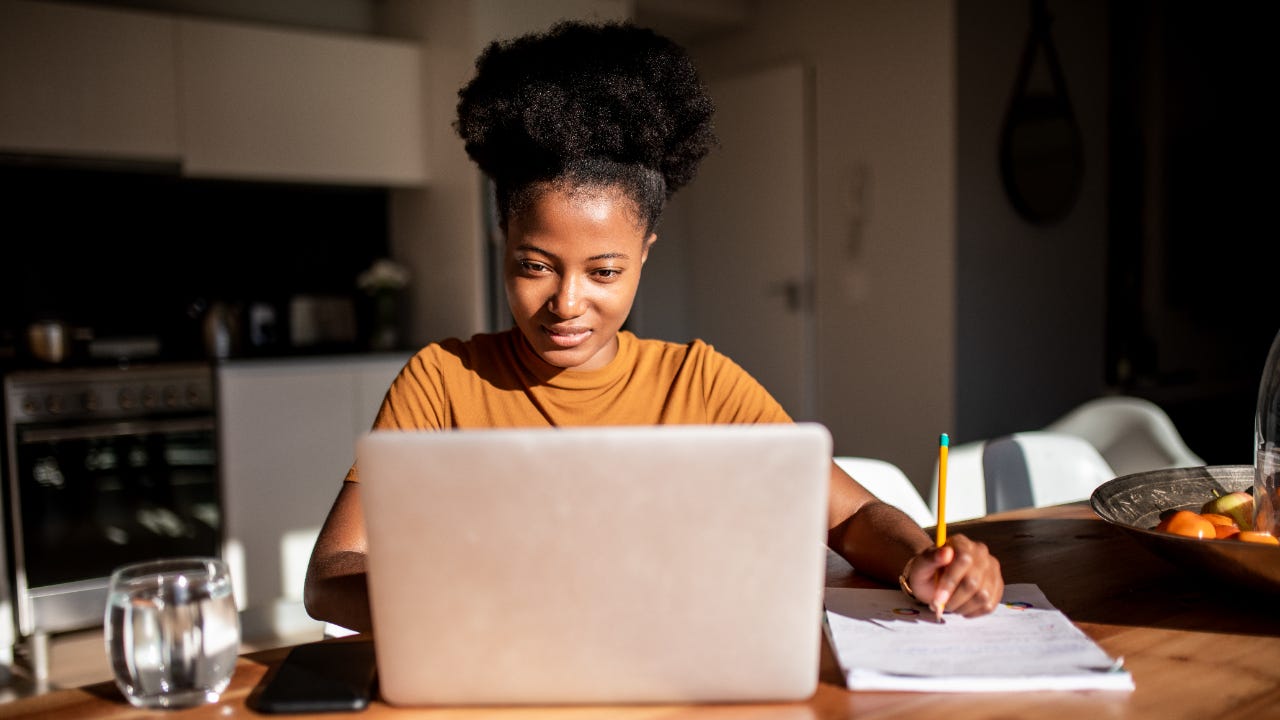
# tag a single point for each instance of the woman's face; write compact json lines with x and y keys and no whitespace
{"x":572,"y":270}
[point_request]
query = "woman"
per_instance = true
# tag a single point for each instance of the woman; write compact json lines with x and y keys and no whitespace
{"x":586,"y":131}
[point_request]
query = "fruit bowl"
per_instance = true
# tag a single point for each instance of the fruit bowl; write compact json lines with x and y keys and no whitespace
{"x":1134,"y":502}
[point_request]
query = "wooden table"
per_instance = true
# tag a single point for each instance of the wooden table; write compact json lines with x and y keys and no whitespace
{"x":1195,"y":650}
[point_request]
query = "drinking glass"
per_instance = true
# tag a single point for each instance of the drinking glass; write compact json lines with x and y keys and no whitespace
{"x":1266,"y":437}
{"x":172,"y":631}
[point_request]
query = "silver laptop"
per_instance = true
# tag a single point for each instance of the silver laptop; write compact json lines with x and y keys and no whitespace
{"x":669,"y":564}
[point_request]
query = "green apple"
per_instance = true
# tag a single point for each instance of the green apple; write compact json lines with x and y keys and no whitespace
{"x":1236,"y":505}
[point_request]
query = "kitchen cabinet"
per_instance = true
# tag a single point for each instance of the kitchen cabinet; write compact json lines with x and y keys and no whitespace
{"x":219,"y":99}
{"x":89,"y":82}
{"x":260,"y":102}
{"x":287,"y":432}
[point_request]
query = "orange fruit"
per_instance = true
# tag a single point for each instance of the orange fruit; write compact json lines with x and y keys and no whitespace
{"x":1220,"y":519}
{"x":1256,"y":536}
{"x":1188,"y":524}
{"x":1225,"y":531}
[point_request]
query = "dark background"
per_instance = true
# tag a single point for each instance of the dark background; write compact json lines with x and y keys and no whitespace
{"x":129,"y":252}
{"x":1192,"y":251}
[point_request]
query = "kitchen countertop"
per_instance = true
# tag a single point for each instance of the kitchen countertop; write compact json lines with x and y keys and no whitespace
{"x":331,"y":357}
{"x":10,"y":363}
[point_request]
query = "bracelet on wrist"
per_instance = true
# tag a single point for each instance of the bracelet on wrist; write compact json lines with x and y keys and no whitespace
{"x":906,"y":586}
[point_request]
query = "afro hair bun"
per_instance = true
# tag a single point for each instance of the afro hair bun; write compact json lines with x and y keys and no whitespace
{"x":543,"y":104}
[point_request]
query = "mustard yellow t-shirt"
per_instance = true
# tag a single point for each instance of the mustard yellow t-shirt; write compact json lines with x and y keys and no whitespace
{"x":496,"y":380}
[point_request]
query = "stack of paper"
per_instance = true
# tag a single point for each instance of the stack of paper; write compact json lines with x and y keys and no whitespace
{"x":884,"y":641}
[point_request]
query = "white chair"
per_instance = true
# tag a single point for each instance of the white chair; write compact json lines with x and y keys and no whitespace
{"x":1026,"y":469}
{"x":1133,"y":434}
{"x":887,"y":482}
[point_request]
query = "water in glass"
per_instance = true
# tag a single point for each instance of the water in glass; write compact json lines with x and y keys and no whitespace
{"x":172,"y":632}
{"x":1266,"y":436}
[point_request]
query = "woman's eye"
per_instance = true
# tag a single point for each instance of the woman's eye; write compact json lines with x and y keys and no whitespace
{"x":608,"y":273}
{"x":532,"y":266}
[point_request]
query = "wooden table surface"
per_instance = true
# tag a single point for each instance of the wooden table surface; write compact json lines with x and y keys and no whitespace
{"x":1195,"y":650}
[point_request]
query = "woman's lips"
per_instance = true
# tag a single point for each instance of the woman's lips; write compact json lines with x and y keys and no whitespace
{"x":567,"y":337}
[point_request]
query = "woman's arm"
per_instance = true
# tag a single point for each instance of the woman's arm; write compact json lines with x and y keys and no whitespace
{"x":882,"y":542}
{"x":335,"y":590}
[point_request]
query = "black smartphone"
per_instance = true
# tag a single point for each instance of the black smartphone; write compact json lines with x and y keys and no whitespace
{"x":326,"y":676}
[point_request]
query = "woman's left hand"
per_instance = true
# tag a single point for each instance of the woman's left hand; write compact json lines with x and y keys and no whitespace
{"x":962,"y":576}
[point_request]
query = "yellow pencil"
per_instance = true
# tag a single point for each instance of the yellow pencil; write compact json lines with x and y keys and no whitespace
{"x":943,"y":442}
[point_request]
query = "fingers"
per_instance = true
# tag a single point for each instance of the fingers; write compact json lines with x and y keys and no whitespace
{"x":923,"y":571}
{"x":962,"y":575}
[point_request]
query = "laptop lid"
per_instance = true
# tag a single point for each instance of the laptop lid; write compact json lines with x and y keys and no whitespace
{"x":665,"y":564}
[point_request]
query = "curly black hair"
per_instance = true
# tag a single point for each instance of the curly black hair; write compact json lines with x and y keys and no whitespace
{"x":582,"y":105}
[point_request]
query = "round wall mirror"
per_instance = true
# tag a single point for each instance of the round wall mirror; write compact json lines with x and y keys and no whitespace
{"x":1041,"y":152}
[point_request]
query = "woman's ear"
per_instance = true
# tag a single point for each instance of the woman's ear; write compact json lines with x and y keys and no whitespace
{"x":648,"y":243}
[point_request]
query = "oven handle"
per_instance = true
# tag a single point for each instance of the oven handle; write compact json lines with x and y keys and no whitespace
{"x":117,"y":429}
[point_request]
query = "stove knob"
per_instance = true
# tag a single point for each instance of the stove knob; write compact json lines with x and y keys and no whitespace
{"x":30,"y":405}
{"x":193,"y":395}
{"x":125,"y":400}
{"x":54,"y":404}
{"x":89,"y":401}
{"x":149,"y":399}
{"x":170,"y":395}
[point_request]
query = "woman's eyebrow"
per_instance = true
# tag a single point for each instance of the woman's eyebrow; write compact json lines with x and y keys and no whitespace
{"x":527,"y":247}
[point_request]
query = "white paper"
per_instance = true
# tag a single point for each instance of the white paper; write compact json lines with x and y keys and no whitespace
{"x":884,"y":641}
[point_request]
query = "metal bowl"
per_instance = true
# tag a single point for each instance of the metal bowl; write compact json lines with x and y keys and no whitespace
{"x":1134,"y":502}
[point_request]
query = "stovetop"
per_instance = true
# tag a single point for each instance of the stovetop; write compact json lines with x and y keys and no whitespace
{"x":78,"y":393}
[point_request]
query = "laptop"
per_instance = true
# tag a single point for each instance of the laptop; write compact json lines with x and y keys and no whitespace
{"x":661,"y":564}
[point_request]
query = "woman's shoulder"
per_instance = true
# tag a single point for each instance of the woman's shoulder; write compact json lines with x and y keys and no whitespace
{"x":453,"y":352}
{"x":695,"y":351}
{"x":658,"y":344}
{"x":477,"y":343}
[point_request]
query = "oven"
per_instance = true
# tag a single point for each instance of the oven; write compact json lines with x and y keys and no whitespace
{"x":105,"y":466}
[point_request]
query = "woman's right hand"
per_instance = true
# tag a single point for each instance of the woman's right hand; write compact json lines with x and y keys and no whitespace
{"x":962,"y":576}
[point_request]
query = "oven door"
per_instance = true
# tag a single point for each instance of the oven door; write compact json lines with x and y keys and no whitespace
{"x":88,"y":498}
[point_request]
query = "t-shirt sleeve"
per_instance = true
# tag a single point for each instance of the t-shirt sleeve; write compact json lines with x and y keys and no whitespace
{"x":416,"y":398}
{"x":414,"y":401}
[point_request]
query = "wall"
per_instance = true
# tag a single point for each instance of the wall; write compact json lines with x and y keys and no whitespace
{"x":1030,"y":300}
{"x":885,"y":209}
{"x":939,"y":309}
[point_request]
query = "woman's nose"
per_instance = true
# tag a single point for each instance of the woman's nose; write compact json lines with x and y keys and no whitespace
{"x":567,"y":302}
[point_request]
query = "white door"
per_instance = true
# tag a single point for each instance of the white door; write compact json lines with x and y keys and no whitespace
{"x":750,"y":233}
